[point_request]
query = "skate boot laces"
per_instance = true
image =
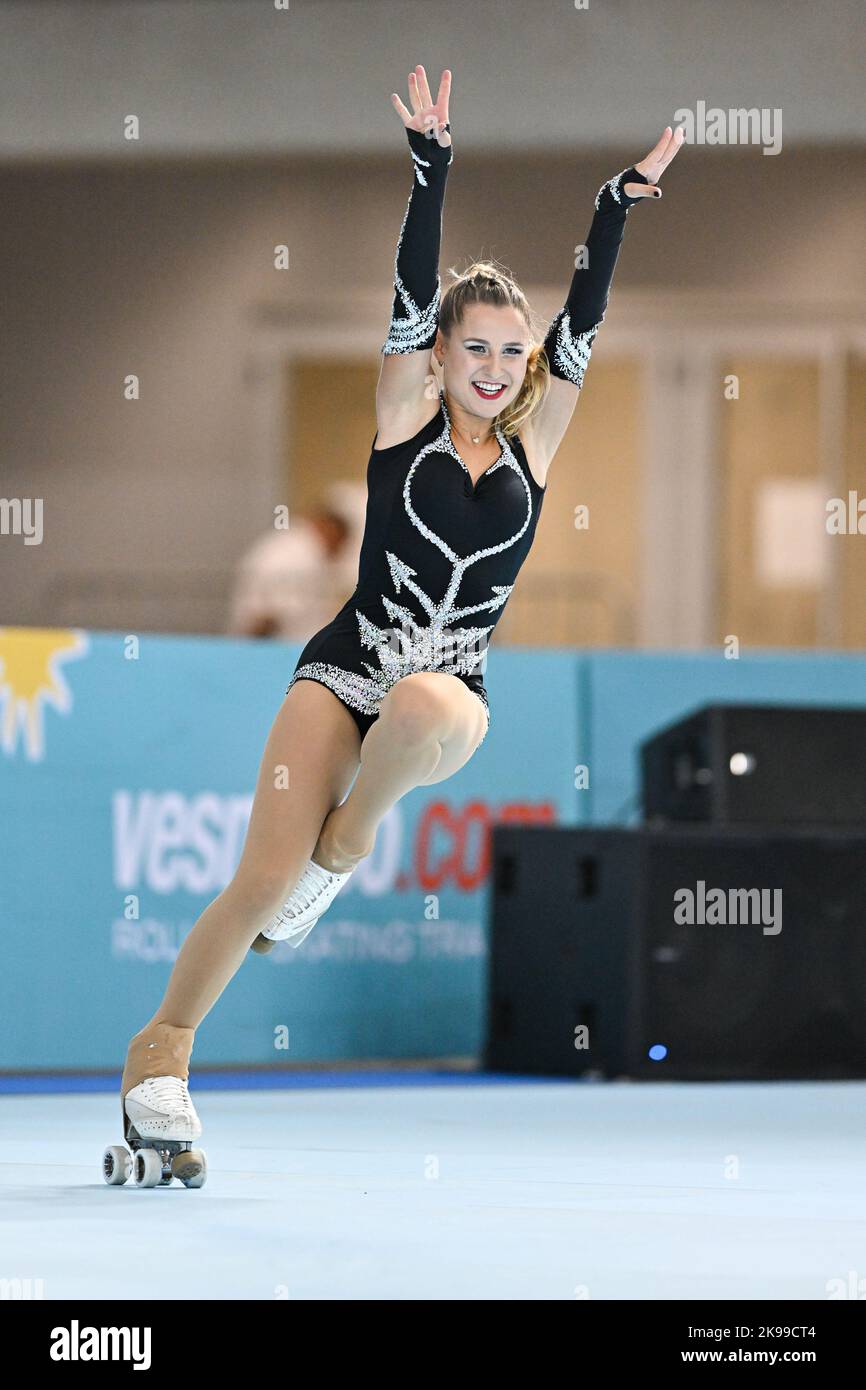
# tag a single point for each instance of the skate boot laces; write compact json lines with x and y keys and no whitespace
{"x":314,"y":884}
{"x":315,"y":890}
{"x":160,"y":1104}
{"x":170,"y":1094}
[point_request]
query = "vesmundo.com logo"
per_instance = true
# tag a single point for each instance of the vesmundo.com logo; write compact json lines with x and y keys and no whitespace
{"x":76,"y":1343}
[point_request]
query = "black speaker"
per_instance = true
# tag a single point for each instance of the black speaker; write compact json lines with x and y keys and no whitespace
{"x":786,"y":764}
{"x":584,"y":936}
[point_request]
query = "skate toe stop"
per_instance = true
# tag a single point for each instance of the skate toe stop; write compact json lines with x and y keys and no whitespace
{"x":262,"y":945}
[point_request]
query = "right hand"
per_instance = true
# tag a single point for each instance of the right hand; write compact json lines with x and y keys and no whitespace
{"x":430,"y":116}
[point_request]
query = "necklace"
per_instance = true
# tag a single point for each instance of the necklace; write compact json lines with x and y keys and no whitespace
{"x":476,"y":438}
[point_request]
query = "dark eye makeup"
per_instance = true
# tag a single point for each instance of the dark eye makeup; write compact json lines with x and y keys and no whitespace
{"x":472,"y":346}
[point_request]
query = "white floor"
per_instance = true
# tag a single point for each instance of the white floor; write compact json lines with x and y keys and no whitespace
{"x":626,"y":1191}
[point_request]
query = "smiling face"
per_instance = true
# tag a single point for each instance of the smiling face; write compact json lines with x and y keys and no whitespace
{"x":485,"y":358}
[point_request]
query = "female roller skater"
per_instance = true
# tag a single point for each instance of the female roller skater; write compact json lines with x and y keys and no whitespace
{"x":391,"y":692}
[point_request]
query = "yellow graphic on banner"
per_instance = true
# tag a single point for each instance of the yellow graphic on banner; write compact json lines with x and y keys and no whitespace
{"x":30,"y":679}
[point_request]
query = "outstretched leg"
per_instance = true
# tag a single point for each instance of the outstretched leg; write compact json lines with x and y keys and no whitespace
{"x":309,"y":760}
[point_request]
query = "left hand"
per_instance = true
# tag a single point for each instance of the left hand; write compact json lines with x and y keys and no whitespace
{"x":653,"y":166}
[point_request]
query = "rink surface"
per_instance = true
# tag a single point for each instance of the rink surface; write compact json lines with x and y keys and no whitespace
{"x":471,"y":1190}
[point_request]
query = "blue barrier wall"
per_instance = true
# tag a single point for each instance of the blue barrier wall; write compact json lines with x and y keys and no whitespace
{"x":126,"y":776}
{"x":626,"y":696}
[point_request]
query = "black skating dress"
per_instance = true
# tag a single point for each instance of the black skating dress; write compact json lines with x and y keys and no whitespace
{"x":440,"y":554}
{"x":438,"y":561}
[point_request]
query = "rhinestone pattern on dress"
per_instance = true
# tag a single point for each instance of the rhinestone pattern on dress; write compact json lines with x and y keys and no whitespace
{"x":571,"y":354}
{"x":416,"y":329}
{"x":615,"y":186}
{"x":413,"y":645}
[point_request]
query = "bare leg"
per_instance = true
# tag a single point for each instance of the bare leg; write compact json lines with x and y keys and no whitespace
{"x":429,"y":725}
{"x":315,"y":742}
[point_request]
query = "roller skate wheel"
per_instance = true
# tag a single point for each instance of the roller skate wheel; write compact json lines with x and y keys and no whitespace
{"x":147,"y":1168}
{"x":116,"y":1165}
{"x":190,"y":1166}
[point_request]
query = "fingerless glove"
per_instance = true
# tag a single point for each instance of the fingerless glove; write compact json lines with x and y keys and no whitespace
{"x":415,"y":315}
{"x":569,"y":339}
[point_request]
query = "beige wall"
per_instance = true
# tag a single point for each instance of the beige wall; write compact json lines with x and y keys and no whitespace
{"x":242,"y":78}
{"x":167,"y":272}
{"x":579,"y":584}
{"x":771,"y":432}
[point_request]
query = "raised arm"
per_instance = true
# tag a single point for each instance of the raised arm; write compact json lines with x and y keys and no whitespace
{"x":569,"y":339}
{"x":406,"y":352}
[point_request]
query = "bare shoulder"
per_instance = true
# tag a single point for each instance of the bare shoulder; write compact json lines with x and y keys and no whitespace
{"x":538,"y":462}
{"x":397,"y":424}
{"x":405,"y":402}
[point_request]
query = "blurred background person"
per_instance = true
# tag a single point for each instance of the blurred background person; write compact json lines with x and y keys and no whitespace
{"x":289,"y":583}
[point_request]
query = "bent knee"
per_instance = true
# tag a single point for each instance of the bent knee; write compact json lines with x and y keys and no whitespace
{"x":417,"y":710}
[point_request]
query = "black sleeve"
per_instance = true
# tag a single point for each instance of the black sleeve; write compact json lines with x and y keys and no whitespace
{"x":415,"y":314}
{"x":569,"y":339}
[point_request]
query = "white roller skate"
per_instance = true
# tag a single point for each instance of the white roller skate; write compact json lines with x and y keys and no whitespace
{"x":311,"y":897}
{"x":159,"y":1119}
